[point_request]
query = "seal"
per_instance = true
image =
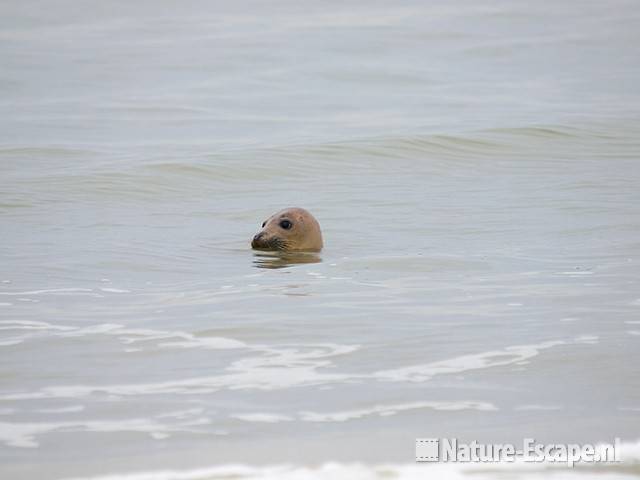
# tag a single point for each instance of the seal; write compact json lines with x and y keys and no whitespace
{"x":291,"y":229}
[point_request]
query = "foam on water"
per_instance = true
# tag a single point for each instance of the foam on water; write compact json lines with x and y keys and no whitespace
{"x":24,"y":434}
{"x":627,"y":469}
{"x":279,"y":367}
{"x":388,"y":410}
{"x":508,"y":356}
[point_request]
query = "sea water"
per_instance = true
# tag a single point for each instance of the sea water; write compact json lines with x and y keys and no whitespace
{"x":474,"y":168}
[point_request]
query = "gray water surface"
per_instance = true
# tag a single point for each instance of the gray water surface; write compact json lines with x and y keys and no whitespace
{"x":474,"y":168}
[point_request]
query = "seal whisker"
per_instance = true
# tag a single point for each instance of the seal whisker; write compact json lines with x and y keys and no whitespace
{"x":281,"y":244}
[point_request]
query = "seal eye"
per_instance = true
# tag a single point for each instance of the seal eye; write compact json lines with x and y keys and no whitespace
{"x":263,"y":224}
{"x":286,"y":224}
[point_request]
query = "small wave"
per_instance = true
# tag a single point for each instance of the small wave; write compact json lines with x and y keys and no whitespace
{"x":507,"y":356}
{"x":274,"y":368}
{"x":27,"y":329}
{"x":30,"y":325}
{"x":49,"y":291}
{"x":283,"y":367}
{"x":379,"y":410}
{"x":69,"y":409}
{"x":133,"y":335}
{"x":252,"y":165}
{"x":262,"y":417}
{"x":45,"y":152}
{"x":541,"y":131}
{"x":535,"y":407}
{"x":388,"y":410}
{"x":24,"y":435}
{"x":518,"y":470}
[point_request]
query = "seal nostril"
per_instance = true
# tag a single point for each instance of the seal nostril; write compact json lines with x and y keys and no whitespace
{"x":258,"y":236}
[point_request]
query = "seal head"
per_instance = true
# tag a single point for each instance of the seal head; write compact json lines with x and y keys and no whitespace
{"x":291,"y":229}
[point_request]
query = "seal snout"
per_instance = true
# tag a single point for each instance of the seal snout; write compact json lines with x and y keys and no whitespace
{"x":257,"y":240}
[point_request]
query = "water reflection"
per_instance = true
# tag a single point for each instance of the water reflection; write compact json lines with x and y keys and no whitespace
{"x":283,"y":259}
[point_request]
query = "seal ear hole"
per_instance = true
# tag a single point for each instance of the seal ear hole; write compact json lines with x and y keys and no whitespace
{"x":286,"y":224}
